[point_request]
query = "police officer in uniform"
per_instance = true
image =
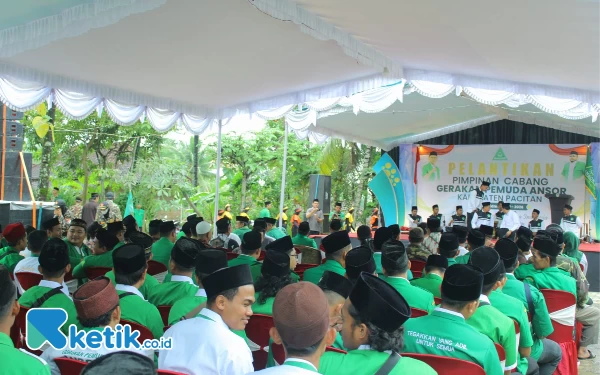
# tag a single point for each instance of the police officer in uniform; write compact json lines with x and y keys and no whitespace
{"x":570,"y":222}
{"x":482,"y":217}
{"x":414,"y":218}
{"x":459,"y":219}
{"x":475,"y":200}
{"x":536,"y":224}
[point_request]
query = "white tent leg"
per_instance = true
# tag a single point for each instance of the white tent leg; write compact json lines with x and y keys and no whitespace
{"x":282,"y":195}
{"x":218,"y":179}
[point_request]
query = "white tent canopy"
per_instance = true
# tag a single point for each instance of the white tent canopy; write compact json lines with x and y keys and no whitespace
{"x":197,"y":62}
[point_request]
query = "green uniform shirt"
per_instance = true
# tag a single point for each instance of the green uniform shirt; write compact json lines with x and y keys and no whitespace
{"x":255,"y":265}
{"x":433,"y":176}
{"x":431,"y":283}
{"x":9,"y":257}
{"x":265,"y":308}
{"x":378,"y":267}
{"x":183,"y":307}
{"x":463,"y":259}
{"x":452,"y":261}
{"x":445,"y":333}
{"x":276,"y":233}
{"x":264,"y":213}
{"x":513,"y":308}
{"x":170,"y":292}
{"x":19,"y":362}
{"x":180,"y":234}
{"x":75,"y":255}
{"x":315,"y":274}
{"x":59,"y":300}
{"x":102,"y":260}
{"x":549,"y":278}
{"x":136,"y":309}
{"x":139,"y":214}
{"x":241,"y":231}
{"x":368,"y":362}
{"x":499,"y":328}
{"x":161,"y":251}
{"x":416,"y":297}
{"x":303,"y":240}
{"x":149,"y":283}
{"x":339,"y":342}
{"x":541,"y":323}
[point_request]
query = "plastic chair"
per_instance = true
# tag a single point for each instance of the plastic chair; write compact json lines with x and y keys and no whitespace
{"x":154,"y":267}
{"x":301,"y":268}
{"x":257,"y":331}
{"x":68,"y":276}
{"x":501,"y":354}
{"x":28,"y":279}
{"x":231,"y":255}
{"x":145,"y":333}
{"x":92,"y":272}
{"x":278,"y":353}
{"x":335,"y":350}
{"x":69,"y":366}
{"x":416,"y":267}
{"x":18,"y":329}
{"x":167,"y":372}
{"x":557,"y":300}
{"x":416,"y":313}
{"x":437,"y":300}
{"x":448,"y":365}
{"x":261,"y":257}
{"x":164,"y":311}
{"x":578,"y":332}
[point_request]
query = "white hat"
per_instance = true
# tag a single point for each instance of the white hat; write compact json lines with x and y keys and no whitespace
{"x":202,"y":227}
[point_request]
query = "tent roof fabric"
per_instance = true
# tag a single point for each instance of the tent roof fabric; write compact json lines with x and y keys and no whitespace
{"x":194,"y":63}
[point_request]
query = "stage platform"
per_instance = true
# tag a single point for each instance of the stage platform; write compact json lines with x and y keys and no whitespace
{"x":591,"y":250}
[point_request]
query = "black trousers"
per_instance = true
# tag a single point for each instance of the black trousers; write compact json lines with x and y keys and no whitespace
{"x":469,"y":218}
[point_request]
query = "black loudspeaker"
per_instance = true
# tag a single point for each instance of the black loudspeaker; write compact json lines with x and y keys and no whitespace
{"x":320,"y":188}
{"x":13,"y":144}
{"x":13,"y":129}
{"x":23,"y":213}
{"x":12,"y":176}
{"x":10,"y":114}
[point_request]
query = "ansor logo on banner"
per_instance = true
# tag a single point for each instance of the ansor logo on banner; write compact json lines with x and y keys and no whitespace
{"x":519,"y":174}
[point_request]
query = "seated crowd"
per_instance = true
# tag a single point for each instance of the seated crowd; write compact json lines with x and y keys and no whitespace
{"x":360,"y":311}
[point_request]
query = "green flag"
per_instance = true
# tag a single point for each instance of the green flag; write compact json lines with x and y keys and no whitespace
{"x":590,"y":184}
{"x":129,"y":205}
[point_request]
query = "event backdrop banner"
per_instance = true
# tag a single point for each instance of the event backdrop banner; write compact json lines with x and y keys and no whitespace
{"x":523,"y":175}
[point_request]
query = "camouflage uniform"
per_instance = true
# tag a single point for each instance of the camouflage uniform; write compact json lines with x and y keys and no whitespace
{"x":108,"y":212}
{"x":74,"y":212}
{"x":417,"y":251}
{"x":64,"y":225}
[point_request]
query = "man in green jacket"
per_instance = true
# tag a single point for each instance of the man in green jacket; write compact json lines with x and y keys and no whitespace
{"x":207,"y":262}
{"x":373,"y":310}
{"x":50,"y":293}
{"x":101,"y":256}
{"x":272,"y":230}
{"x":130,"y":272}
{"x":359,"y":260}
{"x":337,"y":289}
{"x":448,"y":247}
{"x":432,"y":278}
{"x":161,"y":250}
{"x":241,"y":224}
{"x":52,"y":228}
{"x":250,"y":252}
{"x":573,"y":169}
{"x":475,"y":239}
{"x":14,"y":361}
{"x":461,"y":290}
{"x":75,"y":237}
{"x":285,"y":245}
{"x":395,"y":265}
{"x":265,"y":211}
{"x":17,"y":241}
{"x":181,"y":265}
{"x":302,"y":238}
{"x":336,"y":246}
{"x":546,"y":352}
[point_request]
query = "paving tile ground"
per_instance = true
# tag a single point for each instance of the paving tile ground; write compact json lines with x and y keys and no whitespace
{"x":592,"y":366}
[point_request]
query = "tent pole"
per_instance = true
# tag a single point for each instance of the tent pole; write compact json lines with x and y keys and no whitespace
{"x":218,"y":179}
{"x":282,"y":196}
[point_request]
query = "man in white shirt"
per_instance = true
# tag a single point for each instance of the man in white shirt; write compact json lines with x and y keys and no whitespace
{"x":570,"y":223}
{"x":510,"y":223}
{"x":301,"y":317}
{"x":482,"y":217}
{"x":205,"y":345}
{"x":475,"y":200}
{"x":97,"y":305}
{"x":35,"y":241}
